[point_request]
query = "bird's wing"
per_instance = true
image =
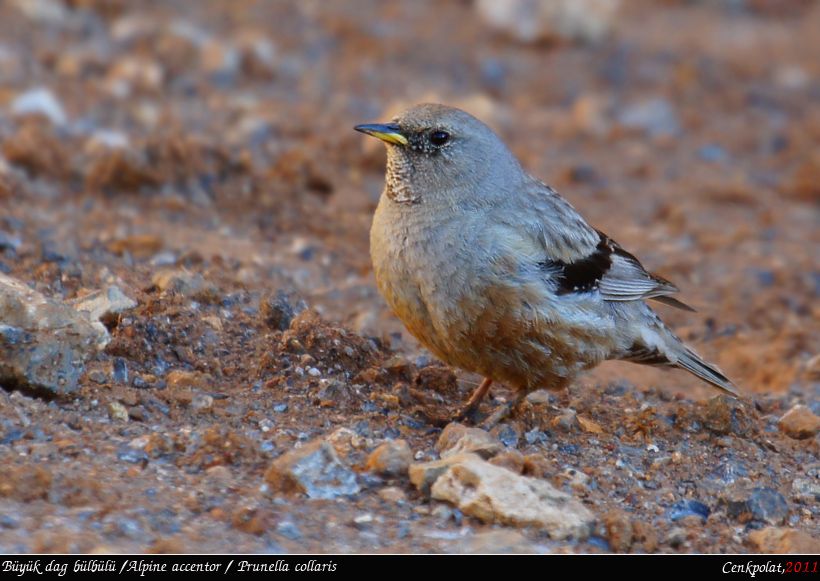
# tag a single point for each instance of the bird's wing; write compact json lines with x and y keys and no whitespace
{"x":615,"y":273}
{"x":627,"y":280}
{"x":583,"y":259}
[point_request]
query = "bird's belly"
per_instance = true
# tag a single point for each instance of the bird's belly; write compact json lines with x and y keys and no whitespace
{"x":523,"y":337}
{"x":511,"y":330}
{"x":505,"y":332}
{"x":405,"y":286}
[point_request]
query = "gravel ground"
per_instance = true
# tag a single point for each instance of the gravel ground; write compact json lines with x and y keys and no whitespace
{"x":183,"y":196}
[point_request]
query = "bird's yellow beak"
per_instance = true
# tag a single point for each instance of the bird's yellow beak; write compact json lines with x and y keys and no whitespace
{"x":389,"y":133}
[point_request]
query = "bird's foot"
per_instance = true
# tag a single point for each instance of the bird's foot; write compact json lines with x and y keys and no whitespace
{"x":500,"y":414}
{"x":468,"y":413}
{"x":503,"y":412}
{"x":470,"y":410}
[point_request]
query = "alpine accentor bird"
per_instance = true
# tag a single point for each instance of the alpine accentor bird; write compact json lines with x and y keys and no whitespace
{"x":495,"y":273}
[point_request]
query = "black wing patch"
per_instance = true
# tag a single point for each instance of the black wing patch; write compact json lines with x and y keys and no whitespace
{"x":586,"y":274}
{"x":645,"y":355}
{"x":583,"y":275}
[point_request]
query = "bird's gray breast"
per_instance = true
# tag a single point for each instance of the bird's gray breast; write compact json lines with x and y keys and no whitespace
{"x":422,"y":261}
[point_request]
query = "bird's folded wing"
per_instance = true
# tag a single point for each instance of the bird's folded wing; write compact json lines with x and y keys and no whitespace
{"x":627,"y":280}
{"x":583,"y":259}
{"x":614,"y":273}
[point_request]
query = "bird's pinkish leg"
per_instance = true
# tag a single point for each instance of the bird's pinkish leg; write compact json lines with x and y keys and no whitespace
{"x":469,"y":410}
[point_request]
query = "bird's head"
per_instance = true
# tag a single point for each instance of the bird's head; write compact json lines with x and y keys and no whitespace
{"x":440,"y":153}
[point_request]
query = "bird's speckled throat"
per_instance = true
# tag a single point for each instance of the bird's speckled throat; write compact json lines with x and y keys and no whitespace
{"x":398,"y":182}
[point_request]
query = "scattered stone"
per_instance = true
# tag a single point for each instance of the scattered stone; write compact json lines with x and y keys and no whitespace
{"x":119,"y":370}
{"x":725,"y":415}
{"x":459,"y":439}
{"x":589,"y":425}
{"x":42,"y":102}
{"x":345,"y":441}
{"x":784,"y":541}
{"x":140,"y":442}
{"x":537,"y":465}
{"x":577,"y":480}
{"x":392,"y":494}
{"x":279,"y":309}
{"x":399,"y":368}
{"x":566,"y":422}
{"x":423,"y":475}
{"x":289,"y":530}
{"x":618,"y":530}
{"x":249,"y":519}
{"x":444,"y":512}
{"x":117,"y":411}
{"x":219,"y":473}
{"x":104,"y":305}
{"x":187,"y":284}
{"x":531,"y":21}
{"x":688,"y":507}
{"x":98,"y":376}
{"x":363,"y":521}
{"x":646,"y":535}
{"x":745,"y":504}
{"x":315,"y":470}
{"x":139,"y":245}
{"x":540,"y":396}
{"x":213,"y":322}
{"x":806,"y":490}
{"x":494,"y":494}
{"x":182,"y":379}
{"x":391,"y":458}
{"x":655,"y":117}
{"x":535,"y":436}
{"x":202,"y":402}
{"x":677,"y":537}
{"x":43,"y":343}
{"x":507,"y":433}
{"x":799,"y":423}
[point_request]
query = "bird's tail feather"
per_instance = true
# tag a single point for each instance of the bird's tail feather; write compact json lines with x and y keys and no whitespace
{"x":691,"y":362}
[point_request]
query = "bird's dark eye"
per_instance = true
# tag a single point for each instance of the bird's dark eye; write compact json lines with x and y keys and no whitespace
{"x":439,"y":138}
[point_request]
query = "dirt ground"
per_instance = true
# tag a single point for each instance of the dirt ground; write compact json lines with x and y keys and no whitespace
{"x":215,"y":139}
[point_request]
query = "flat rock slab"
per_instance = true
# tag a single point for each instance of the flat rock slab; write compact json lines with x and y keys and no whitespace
{"x":494,"y":494}
{"x":43,"y":343}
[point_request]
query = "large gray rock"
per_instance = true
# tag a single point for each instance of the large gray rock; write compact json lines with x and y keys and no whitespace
{"x":43,"y":343}
{"x":494,"y":494}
